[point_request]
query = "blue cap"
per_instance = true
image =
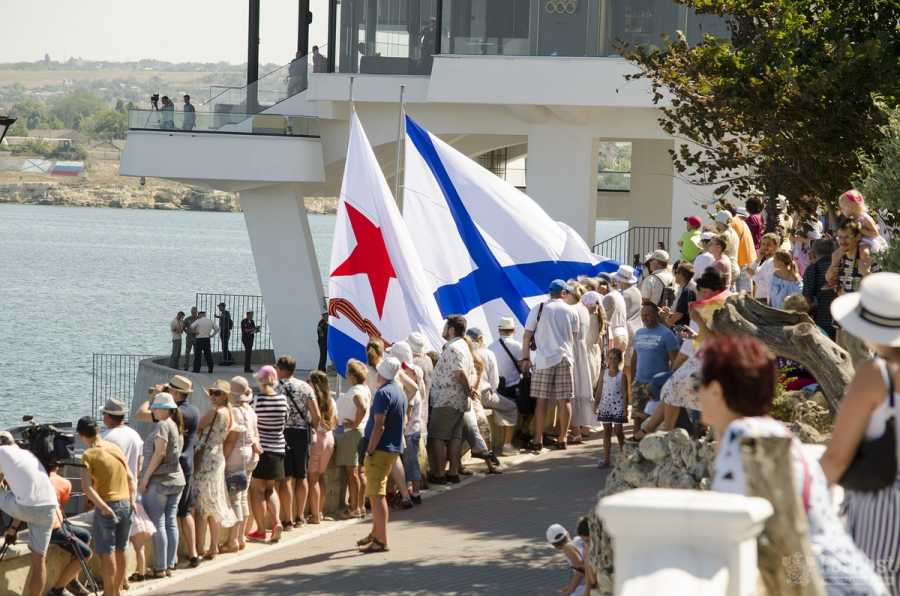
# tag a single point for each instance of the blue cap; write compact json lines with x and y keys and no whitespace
{"x":558,"y":285}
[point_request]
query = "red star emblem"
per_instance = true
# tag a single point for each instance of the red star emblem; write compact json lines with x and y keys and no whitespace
{"x":369,"y":256}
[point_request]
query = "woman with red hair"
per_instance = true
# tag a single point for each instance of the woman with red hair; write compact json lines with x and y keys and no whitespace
{"x":736,"y":392}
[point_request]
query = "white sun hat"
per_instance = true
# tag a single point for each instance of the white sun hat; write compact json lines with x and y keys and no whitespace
{"x":873,"y":313}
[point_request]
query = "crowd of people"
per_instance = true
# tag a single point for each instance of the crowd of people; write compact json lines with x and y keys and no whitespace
{"x":597,"y":350}
{"x":194,"y":333}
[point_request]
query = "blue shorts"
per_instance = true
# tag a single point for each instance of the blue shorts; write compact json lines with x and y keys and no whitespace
{"x":111,"y":533}
{"x":411,"y":458}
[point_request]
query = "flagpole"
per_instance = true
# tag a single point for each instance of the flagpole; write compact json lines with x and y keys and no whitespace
{"x":401,"y":135}
{"x":350,"y":97}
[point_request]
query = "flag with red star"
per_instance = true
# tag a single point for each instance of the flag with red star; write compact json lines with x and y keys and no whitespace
{"x":377,"y":286}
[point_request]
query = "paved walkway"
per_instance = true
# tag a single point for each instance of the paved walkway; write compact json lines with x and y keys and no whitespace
{"x":485,"y":536}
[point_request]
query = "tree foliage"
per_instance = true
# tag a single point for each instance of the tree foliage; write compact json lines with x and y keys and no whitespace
{"x":880,"y":182}
{"x":786,"y":105}
{"x":107,"y":125}
{"x":73,"y":107}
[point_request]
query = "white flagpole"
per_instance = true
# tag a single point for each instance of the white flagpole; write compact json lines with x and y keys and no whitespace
{"x":350,"y":97}
{"x":401,"y":135}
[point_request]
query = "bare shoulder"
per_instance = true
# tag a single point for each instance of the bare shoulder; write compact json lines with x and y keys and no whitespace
{"x":868,"y":384}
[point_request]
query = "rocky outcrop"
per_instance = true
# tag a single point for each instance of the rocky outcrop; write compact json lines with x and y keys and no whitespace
{"x":806,"y":414}
{"x":83,"y":194}
{"x":664,"y":460}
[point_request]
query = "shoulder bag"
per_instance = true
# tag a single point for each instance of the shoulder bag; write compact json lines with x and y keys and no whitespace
{"x":533,"y":346}
{"x":522,"y":395}
{"x":874,"y":466}
{"x":200,"y":451}
{"x":309,"y":428}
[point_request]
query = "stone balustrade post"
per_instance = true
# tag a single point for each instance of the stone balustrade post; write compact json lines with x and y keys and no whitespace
{"x":674,"y":541}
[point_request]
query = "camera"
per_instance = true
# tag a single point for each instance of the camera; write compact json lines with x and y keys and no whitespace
{"x":50,"y":444}
{"x":154,"y":101}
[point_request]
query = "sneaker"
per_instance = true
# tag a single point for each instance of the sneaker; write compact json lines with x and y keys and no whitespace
{"x":416,"y":499}
{"x":508,"y":449}
{"x":536,"y":448}
{"x":76,"y":588}
{"x":493,"y":459}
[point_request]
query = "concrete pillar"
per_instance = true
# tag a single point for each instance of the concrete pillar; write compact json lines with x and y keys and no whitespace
{"x":704,"y":542}
{"x":562,"y":176}
{"x":287,"y":269}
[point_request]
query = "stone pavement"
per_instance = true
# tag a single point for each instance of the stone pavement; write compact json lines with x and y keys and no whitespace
{"x":485,"y":536}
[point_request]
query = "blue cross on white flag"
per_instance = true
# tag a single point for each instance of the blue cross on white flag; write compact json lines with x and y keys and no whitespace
{"x":488,"y":250}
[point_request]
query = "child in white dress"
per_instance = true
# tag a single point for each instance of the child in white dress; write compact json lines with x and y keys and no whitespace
{"x":613,"y":390}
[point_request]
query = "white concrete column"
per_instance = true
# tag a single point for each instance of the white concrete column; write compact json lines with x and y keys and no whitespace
{"x":704,"y":542}
{"x":287,"y":269}
{"x":562,"y":176}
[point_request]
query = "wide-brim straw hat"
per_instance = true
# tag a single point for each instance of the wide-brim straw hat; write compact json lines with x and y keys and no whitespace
{"x":181,"y":383}
{"x":220,"y":385}
{"x":239,"y":389}
{"x":873,"y":313}
{"x":625,"y":274}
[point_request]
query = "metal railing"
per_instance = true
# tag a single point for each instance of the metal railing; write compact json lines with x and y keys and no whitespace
{"x":224,"y":122}
{"x":634,"y":243}
{"x":113,"y":375}
{"x":237,"y":305}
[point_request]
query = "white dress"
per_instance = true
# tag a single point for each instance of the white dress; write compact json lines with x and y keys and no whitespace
{"x":845,"y":569}
{"x":582,"y":405}
{"x":612,"y":400}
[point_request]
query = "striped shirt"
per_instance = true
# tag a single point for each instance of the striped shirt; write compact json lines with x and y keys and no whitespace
{"x":271,"y":413}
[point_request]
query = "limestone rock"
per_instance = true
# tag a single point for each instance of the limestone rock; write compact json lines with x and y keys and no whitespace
{"x":806,"y":433}
{"x":655,"y":447}
{"x":811,"y":413}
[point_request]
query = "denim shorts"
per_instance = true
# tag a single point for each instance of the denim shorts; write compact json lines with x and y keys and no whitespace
{"x":112,"y":533}
{"x":73,"y":540}
{"x":411,"y":458}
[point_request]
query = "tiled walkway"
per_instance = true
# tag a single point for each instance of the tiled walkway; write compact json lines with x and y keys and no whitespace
{"x":484,"y":537}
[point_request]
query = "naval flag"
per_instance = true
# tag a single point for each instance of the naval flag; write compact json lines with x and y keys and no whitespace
{"x":377,"y":287}
{"x":488,"y":250}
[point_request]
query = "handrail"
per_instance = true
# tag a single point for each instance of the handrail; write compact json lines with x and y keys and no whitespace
{"x":631,"y":245}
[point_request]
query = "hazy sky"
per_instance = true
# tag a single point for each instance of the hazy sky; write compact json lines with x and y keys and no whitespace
{"x":175,"y":31}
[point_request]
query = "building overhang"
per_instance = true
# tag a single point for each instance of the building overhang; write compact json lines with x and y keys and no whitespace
{"x":223,"y":161}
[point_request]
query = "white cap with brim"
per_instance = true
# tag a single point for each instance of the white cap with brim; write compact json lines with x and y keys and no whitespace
{"x":507,"y":324}
{"x":6,"y":438}
{"x":873,"y":313}
{"x":625,"y":274}
{"x":556,"y":533}
{"x":402,"y":352}
{"x":417,"y":342}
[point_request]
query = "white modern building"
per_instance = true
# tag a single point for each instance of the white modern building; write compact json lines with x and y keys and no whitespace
{"x":498,"y":79}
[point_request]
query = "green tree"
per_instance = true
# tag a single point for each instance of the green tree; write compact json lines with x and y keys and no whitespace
{"x":33,"y":113}
{"x":784,"y":106}
{"x":106,"y":125}
{"x":71,"y":108}
{"x":880,"y":182}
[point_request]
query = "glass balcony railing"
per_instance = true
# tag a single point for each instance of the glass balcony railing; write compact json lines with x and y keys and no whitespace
{"x":401,"y":36}
{"x":223,"y":122}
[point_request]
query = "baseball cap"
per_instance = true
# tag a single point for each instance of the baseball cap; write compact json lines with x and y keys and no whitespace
{"x":6,"y":438}
{"x":388,"y":368}
{"x":474,"y":333}
{"x":657,"y":255}
{"x":559,"y":285}
{"x":723,"y":216}
{"x":693,"y":221}
{"x":556,"y":533}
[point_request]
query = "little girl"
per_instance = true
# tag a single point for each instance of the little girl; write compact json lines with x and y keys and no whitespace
{"x":853,"y":206}
{"x":786,"y":279}
{"x":613,"y":390}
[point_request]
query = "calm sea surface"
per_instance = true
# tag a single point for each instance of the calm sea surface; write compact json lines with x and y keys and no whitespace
{"x":74,"y":281}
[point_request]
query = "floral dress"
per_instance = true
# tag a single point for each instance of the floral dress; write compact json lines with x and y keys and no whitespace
{"x":844,"y":568}
{"x":612,"y":400}
{"x":209,"y":478}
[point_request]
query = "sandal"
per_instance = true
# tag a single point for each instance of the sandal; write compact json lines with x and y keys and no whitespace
{"x":365,"y":541}
{"x":153,"y":575}
{"x":242,"y":546}
{"x":229,"y":548}
{"x":376,"y":546}
{"x":136,"y":577}
{"x":257,"y":536}
{"x":210,"y":555}
{"x":276,"y":533}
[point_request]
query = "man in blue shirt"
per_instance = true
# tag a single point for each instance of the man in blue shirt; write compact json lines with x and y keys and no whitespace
{"x":383,"y":437}
{"x":655,"y":348}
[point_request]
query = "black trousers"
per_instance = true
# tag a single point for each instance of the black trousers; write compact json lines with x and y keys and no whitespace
{"x":248,"y":352}
{"x":323,"y":357}
{"x":203,"y":347}
{"x":226,"y":350}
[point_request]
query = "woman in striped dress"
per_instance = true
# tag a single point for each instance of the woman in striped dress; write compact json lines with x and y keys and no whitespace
{"x":271,"y":416}
{"x":871,"y":403}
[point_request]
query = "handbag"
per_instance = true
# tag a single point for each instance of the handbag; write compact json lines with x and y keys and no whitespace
{"x":874,"y":466}
{"x":522,"y":395}
{"x":200,"y":451}
{"x":236,"y":482}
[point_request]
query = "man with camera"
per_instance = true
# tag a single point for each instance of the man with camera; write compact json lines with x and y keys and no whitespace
{"x":30,"y":498}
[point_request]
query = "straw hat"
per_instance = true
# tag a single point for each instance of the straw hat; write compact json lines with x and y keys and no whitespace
{"x":220,"y":385}
{"x":873,"y":313}
{"x":239,"y":389}
{"x":181,"y":384}
{"x":625,"y":274}
{"x":115,"y":407}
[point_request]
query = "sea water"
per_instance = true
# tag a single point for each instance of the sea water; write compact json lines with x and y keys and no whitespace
{"x":74,"y":281}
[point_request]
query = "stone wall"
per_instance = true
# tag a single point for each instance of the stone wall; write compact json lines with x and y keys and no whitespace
{"x":662,"y":460}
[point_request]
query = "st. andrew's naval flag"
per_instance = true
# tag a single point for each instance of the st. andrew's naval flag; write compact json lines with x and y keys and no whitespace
{"x":488,"y":250}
